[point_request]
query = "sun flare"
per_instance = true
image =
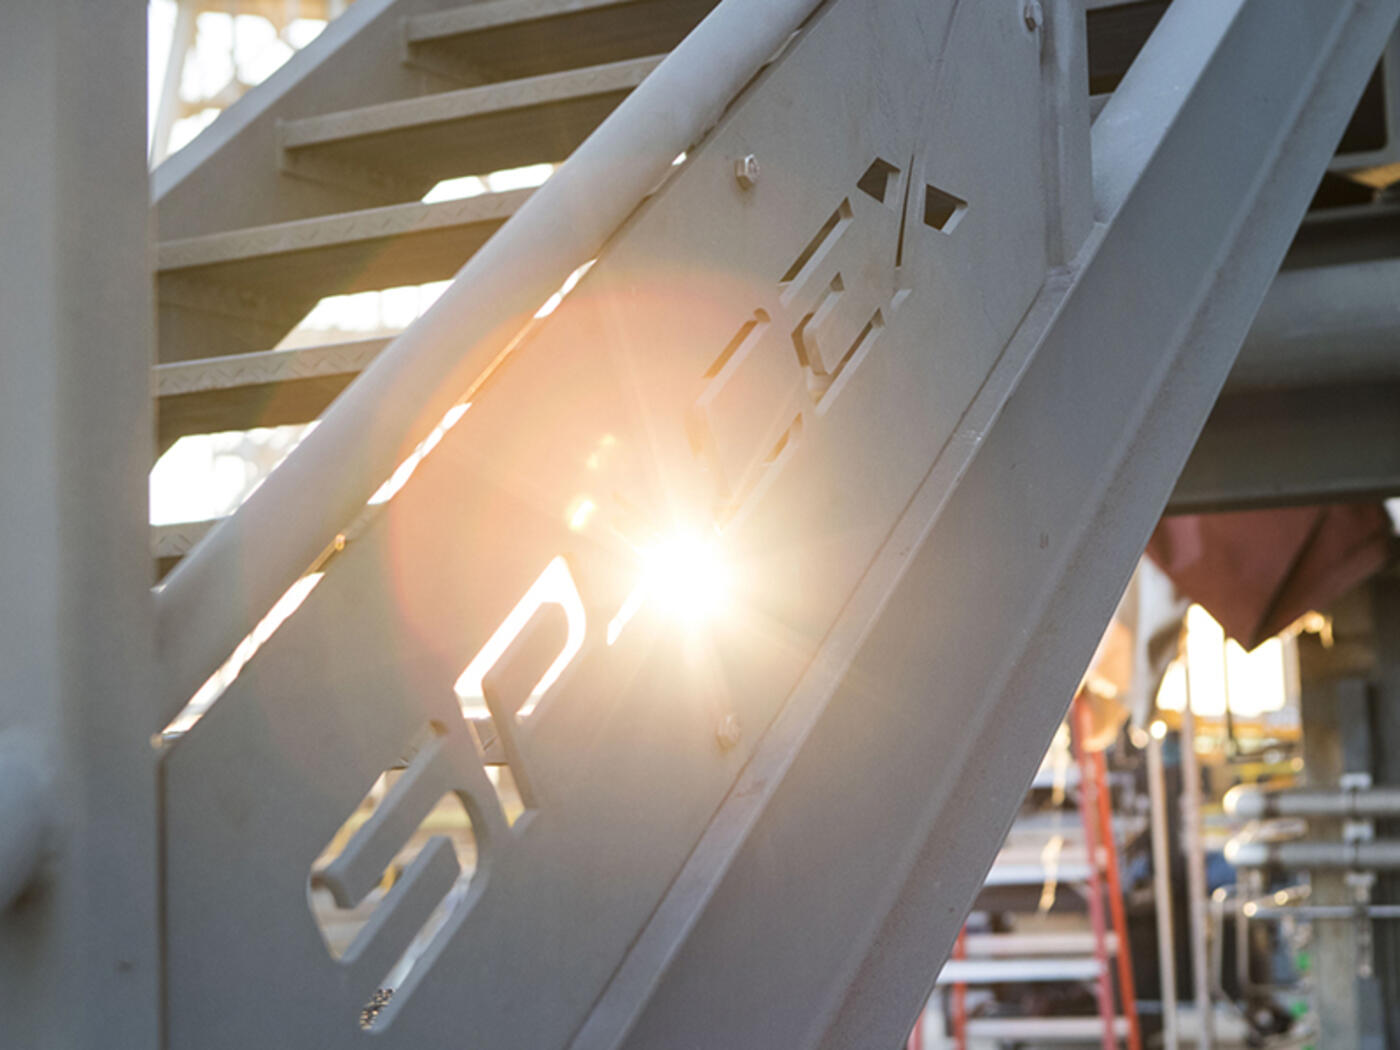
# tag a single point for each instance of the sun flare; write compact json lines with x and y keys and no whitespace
{"x":686,"y":578}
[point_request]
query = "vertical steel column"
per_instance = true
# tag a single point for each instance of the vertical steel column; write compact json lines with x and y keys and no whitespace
{"x":78,"y":929}
{"x":1385,"y":769}
{"x":1162,"y":892}
{"x":1065,"y":124}
{"x":1195,"y":866}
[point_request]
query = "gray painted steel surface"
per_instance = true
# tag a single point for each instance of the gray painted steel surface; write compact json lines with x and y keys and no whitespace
{"x":577,"y":371}
{"x":439,"y":357}
{"x":79,"y":963}
{"x":1148,"y":182}
{"x":616,"y":820}
{"x":916,"y":352}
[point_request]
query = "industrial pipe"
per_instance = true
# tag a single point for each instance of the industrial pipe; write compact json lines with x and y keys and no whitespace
{"x":1381,"y":855}
{"x":1253,"y":803}
{"x":1323,"y":912}
{"x":1161,"y":882}
{"x":1194,"y":845}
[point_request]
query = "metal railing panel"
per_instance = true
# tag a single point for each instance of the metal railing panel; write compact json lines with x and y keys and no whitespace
{"x":767,"y":358}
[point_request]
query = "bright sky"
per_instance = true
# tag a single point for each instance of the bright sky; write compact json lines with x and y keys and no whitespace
{"x":247,"y":44}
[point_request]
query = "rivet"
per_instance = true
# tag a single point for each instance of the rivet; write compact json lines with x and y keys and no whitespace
{"x":729,"y":732}
{"x":746,"y":171}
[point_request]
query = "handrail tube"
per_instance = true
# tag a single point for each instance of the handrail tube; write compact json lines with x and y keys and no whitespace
{"x":215,"y":596}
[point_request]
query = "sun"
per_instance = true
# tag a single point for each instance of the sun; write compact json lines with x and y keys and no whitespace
{"x":685,"y":577}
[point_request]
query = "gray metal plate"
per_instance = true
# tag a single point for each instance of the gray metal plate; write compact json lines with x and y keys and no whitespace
{"x":626,"y":396}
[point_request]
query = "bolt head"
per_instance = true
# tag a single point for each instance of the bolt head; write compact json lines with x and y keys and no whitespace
{"x":746,"y":171}
{"x":729,"y":732}
{"x":1033,"y":14}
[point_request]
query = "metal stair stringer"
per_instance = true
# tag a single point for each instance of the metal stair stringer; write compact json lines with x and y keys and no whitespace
{"x":843,"y":369}
{"x":832,"y":884}
{"x":741,"y":350}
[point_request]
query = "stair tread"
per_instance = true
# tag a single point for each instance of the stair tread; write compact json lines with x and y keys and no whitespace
{"x":263,"y":388}
{"x":185,"y":378}
{"x":383,"y":247}
{"x":176,"y":540}
{"x":501,"y":39}
{"x":472,"y":131}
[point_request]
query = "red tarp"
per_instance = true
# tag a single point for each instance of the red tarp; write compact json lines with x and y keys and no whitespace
{"x":1258,"y":571}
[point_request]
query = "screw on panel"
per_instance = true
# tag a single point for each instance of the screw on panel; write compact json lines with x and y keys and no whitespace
{"x":729,"y":732}
{"x":1033,"y":15}
{"x":746,"y":171}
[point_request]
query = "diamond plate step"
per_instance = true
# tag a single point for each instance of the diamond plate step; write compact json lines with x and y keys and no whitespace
{"x":359,"y":251}
{"x":262,"y":389}
{"x":506,"y":39}
{"x":471,"y":131}
{"x":170,"y":543}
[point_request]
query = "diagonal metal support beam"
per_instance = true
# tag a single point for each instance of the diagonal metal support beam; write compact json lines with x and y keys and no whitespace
{"x":79,"y":914}
{"x":832,"y":883}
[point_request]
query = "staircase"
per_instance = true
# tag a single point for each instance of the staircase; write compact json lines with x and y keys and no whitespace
{"x":840,"y":314}
{"x":826,"y":350}
{"x":341,"y":170}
